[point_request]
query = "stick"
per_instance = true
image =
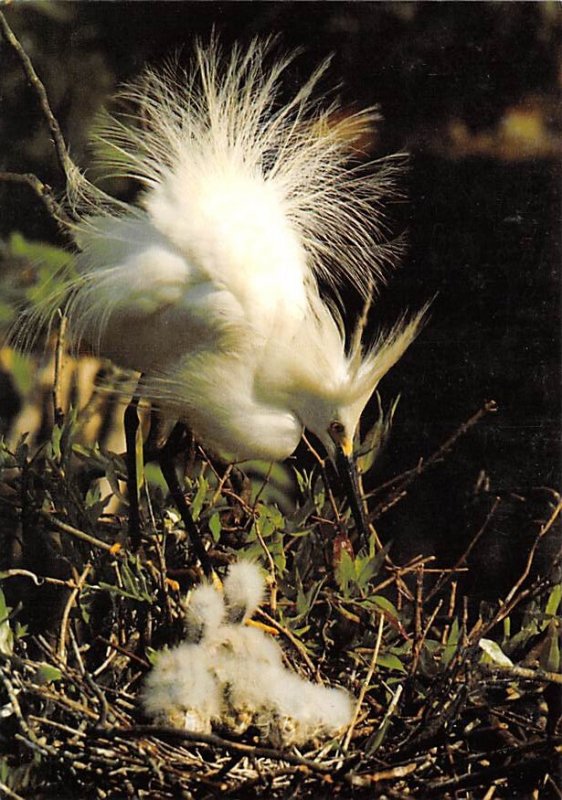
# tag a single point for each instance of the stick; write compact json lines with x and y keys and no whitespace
{"x":44,"y":193}
{"x":66,"y":163}
{"x":365,"y":686}
{"x":210,"y":739}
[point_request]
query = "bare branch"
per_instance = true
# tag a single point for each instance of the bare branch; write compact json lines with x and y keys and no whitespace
{"x":66,"y":163}
{"x":45,"y":194}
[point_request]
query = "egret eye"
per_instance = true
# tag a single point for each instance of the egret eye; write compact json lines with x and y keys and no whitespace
{"x":336,"y":429}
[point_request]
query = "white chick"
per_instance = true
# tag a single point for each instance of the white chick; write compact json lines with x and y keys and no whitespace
{"x":231,"y":675}
{"x":302,"y":712}
{"x":181,"y":690}
{"x":245,"y":656}
{"x":204,"y":613}
{"x":243,"y":590}
{"x":332,"y":709}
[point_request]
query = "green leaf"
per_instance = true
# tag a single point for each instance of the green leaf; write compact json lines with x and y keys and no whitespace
{"x":20,"y":630}
{"x":366,"y":568}
{"x":269,"y":524}
{"x":345,"y":573}
{"x":199,"y":499}
{"x":121,"y":592}
{"x":47,"y":674}
{"x":550,"y":654}
{"x":390,"y":661}
{"x":6,"y":635}
{"x":153,"y":476}
{"x":554,"y":599}
{"x":269,"y":521}
{"x":380,"y":602}
{"x":215,"y":526}
{"x":56,"y":437}
{"x":305,"y":599}
{"x":94,"y":504}
{"x":451,"y":645}
{"x":453,"y":637}
{"x":67,"y":435}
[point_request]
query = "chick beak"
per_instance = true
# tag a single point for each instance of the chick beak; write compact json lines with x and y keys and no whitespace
{"x":347,"y":472}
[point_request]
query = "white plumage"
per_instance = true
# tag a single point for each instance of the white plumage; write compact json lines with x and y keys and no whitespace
{"x":209,"y":285}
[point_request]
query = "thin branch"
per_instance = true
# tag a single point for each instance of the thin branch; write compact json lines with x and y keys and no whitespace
{"x":211,"y":739}
{"x":400,"y":482}
{"x":542,"y":532}
{"x":527,"y":674}
{"x":78,"y":534}
{"x":365,"y":686}
{"x":513,"y":598}
{"x":66,"y":163}
{"x":58,"y":411}
{"x":67,"y":609}
{"x":446,"y":575}
{"x":45,"y":194}
{"x":8,"y":793}
{"x":38,"y":580}
{"x":363,"y":780}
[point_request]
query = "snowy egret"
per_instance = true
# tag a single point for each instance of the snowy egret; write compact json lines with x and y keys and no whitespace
{"x":209,"y":285}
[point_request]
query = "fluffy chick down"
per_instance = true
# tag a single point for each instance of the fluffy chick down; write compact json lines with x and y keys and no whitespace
{"x":229,"y":676}
{"x":181,"y":690}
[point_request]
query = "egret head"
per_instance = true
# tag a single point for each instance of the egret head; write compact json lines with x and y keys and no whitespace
{"x":333,"y":386}
{"x":331,"y":409}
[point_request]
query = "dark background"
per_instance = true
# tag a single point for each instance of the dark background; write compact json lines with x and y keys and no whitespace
{"x":472,"y":91}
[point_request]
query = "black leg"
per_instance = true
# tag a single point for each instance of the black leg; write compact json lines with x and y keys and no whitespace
{"x":131,"y":428}
{"x":167,"y":465}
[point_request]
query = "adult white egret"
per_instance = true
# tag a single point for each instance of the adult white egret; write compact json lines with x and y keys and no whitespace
{"x":208,"y":286}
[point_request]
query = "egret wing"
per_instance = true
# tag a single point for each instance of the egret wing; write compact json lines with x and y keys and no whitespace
{"x":138,"y":300}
